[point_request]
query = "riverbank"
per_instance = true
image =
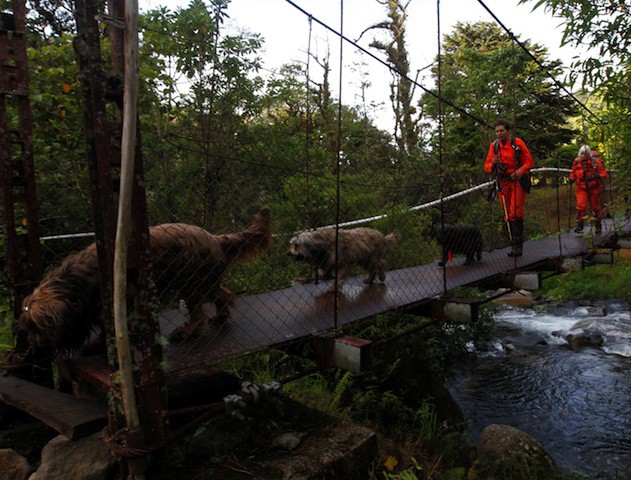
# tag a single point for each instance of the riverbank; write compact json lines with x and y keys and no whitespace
{"x":594,"y":282}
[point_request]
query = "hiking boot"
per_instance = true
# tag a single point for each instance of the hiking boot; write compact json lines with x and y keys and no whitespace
{"x":579,"y":227}
{"x":598,"y":227}
{"x":516,"y":251}
{"x":517,"y":228}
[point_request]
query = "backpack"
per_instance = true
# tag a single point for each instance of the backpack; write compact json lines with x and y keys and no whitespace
{"x":524,"y":180}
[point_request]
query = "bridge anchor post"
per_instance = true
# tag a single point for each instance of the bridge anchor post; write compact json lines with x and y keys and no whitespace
{"x":527,"y":281}
{"x":343,"y":351}
{"x":458,"y":310}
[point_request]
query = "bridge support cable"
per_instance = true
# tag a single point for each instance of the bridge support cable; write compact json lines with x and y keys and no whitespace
{"x":389,"y":67}
{"x":338,"y":165}
{"x":534,"y":59}
{"x":308,"y":120}
{"x":441,"y":133}
{"x":558,"y":189}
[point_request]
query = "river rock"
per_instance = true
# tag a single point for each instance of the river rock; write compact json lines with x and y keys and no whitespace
{"x":507,"y":453}
{"x":584,"y":339}
{"x":518,"y":298}
{"x":13,"y":465}
{"x":84,"y":459}
{"x":597,"y":311}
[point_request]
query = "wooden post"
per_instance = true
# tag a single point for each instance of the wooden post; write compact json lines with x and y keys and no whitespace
{"x":123,"y":226}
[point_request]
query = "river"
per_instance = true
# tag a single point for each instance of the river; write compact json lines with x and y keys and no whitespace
{"x":576,"y":403}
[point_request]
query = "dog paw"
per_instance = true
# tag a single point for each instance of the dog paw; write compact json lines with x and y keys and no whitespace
{"x":332,"y":290}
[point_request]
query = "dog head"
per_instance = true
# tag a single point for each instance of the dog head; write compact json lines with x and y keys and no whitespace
{"x":42,"y":312}
{"x":308,"y":246}
{"x":299,"y":248}
{"x":392,"y":240}
{"x":49,"y":321}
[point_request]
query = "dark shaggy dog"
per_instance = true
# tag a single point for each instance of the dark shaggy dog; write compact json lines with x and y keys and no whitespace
{"x":64,"y":309}
{"x":463,"y":239}
{"x":364,"y":247}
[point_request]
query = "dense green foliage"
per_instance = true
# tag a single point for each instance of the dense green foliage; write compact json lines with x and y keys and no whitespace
{"x":604,"y":71}
{"x":484,"y":73}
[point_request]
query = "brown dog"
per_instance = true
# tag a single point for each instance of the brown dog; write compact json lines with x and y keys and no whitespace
{"x":364,"y":247}
{"x":64,"y":309}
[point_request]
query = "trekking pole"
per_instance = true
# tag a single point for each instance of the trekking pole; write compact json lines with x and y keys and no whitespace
{"x":498,"y":181}
{"x":569,"y":207}
{"x":589,"y":198}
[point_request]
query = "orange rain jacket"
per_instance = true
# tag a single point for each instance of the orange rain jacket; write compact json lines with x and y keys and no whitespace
{"x":506,"y":154}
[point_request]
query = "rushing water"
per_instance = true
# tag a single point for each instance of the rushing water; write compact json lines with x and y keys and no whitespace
{"x":576,"y":403}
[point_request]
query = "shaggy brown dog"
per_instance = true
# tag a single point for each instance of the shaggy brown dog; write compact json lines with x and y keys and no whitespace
{"x":364,"y":247}
{"x":64,"y":310}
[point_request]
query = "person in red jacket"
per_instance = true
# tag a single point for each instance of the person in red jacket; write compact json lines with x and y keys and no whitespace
{"x":510,"y":160}
{"x":588,"y":172}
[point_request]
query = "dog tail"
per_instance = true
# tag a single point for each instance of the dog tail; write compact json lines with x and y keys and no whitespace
{"x":392,"y":240}
{"x":249,"y":243}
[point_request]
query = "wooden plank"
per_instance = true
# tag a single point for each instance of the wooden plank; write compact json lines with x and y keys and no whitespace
{"x":68,"y":415}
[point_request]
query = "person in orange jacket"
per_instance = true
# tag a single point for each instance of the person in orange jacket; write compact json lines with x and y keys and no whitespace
{"x":510,"y":160}
{"x":588,"y":172}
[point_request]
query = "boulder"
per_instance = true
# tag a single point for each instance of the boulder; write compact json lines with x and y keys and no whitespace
{"x":282,"y":441}
{"x":507,"y":453}
{"x":13,"y":465}
{"x":84,"y":459}
{"x":597,"y":311}
{"x":518,"y":298}
{"x":584,"y":339}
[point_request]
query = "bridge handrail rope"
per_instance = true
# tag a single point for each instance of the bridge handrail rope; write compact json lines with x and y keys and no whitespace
{"x":361,"y":221}
{"x":433,"y":203}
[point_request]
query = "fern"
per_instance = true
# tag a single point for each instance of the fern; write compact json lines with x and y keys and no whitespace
{"x":458,"y":473}
{"x":428,"y":420}
{"x":342,"y":387}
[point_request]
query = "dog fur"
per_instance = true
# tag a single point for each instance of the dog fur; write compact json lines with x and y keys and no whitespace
{"x":64,"y":310}
{"x":459,"y":239}
{"x":363,"y":246}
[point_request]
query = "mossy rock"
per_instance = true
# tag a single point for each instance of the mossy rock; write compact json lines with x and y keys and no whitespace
{"x":506,"y":453}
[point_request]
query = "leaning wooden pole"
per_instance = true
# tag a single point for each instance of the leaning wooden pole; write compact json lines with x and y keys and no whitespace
{"x":123,"y":225}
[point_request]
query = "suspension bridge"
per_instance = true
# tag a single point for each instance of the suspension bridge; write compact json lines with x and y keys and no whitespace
{"x":297,"y":315}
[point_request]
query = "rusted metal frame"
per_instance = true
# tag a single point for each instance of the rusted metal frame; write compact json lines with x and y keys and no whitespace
{"x":26,"y":137}
{"x":23,"y":253}
{"x":100,"y":136}
{"x":102,"y":154}
{"x":10,"y":234}
{"x":18,"y":170}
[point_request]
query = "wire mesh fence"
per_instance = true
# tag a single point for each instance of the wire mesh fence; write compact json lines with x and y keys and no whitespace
{"x":273,"y":223}
{"x":270,"y":279}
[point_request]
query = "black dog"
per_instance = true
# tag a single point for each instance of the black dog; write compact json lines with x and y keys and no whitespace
{"x":465,"y":239}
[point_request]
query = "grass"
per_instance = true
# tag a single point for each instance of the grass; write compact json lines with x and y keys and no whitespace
{"x":595,"y":282}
